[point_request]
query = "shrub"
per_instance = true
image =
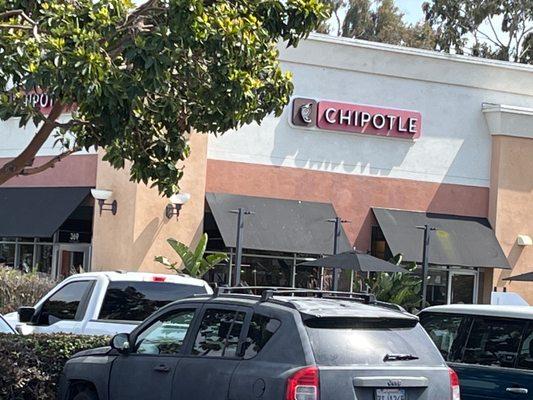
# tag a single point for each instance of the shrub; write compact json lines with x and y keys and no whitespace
{"x":18,"y":289}
{"x":30,"y":366}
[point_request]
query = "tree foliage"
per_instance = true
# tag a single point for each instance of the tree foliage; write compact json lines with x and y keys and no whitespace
{"x":499,"y":29}
{"x":142,"y":78}
{"x":378,"y":21}
{"x":402,"y":288}
{"x":193,"y":260}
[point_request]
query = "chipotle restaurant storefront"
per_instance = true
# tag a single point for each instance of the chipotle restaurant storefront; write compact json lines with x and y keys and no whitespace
{"x":390,"y":140}
{"x":387,"y":139}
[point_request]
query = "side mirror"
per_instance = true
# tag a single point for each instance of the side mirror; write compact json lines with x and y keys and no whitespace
{"x":121,"y":343}
{"x":26,"y":314}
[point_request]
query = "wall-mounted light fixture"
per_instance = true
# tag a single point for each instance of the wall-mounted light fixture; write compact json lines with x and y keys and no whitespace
{"x":524,"y":240}
{"x":102,"y":195}
{"x":176,"y":202}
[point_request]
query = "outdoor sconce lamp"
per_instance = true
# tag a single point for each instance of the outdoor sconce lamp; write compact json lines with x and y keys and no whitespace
{"x":524,"y":240}
{"x":176,"y":202}
{"x":103,"y":195}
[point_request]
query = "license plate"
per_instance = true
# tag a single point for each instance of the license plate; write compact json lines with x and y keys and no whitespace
{"x":390,"y":394}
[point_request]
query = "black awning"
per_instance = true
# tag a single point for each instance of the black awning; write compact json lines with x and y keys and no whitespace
{"x":277,"y":225}
{"x":457,"y":241}
{"x":527,"y":277}
{"x":37,"y":212}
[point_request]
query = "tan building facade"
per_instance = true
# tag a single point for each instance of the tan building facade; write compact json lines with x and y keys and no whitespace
{"x":511,"y":191}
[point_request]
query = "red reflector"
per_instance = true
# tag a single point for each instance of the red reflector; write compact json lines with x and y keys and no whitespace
{"x":159,"y":279}
{"x":454,"y":385}
{"x":303,"y":385}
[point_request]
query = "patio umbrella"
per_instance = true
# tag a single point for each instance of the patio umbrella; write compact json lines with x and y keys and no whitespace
{"x":354,"y":261}
{"x":527,"y":277}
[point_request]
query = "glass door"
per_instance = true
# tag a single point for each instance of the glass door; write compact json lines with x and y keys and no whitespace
{"x":463,"y":287}
{"x":72,"y":259}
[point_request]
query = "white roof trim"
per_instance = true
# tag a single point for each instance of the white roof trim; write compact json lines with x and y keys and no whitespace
{"x":506,"y":120}
{"x":322,"y":51}
{"x":419,"y":52}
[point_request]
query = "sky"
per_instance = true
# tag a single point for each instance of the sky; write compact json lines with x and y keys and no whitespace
{"x":412,"y":10}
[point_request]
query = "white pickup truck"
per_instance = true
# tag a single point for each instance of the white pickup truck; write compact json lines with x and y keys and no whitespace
{"x":103,"y":303}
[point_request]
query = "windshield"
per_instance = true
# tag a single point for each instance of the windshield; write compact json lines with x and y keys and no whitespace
{"x":135,"y":301}
{"x":4,"y":327}
{"x":399,"y":344}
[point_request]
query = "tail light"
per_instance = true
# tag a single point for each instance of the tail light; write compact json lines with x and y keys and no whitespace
{"x":303,"y":385}
{"x":454,"y":384}
{"x":159,"y":279}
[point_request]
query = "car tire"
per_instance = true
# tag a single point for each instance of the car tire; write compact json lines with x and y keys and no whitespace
{"x":86,"y":394}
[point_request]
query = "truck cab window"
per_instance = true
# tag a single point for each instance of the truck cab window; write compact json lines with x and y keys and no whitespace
{"x":65,"y":303}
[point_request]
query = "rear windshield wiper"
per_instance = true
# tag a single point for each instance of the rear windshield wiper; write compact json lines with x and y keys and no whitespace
{"x":400,"y":357}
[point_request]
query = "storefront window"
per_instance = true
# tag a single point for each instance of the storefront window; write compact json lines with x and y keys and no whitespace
{"x":437,"y":287}
{"x":308,"y":277}
{"x":7,"y":255}
{"x":26,"y":258}
{"x":263,"y":271}
{"x":379,"y":247}
{"x":43,"y":261}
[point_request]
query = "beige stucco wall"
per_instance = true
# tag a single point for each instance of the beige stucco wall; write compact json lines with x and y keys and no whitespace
{"x":132,"y":238}
{"x":511,"y":207}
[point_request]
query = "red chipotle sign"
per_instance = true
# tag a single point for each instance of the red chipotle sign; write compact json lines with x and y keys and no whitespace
{"x":356,"y":118}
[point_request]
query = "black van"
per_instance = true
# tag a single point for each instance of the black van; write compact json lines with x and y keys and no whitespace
{"x":490,"y":348}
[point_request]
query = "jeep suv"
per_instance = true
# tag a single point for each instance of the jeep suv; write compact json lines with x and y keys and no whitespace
{"x":283,"y":344}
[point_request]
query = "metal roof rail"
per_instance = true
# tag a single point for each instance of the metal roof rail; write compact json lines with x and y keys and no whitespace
{"x":268,"y":292}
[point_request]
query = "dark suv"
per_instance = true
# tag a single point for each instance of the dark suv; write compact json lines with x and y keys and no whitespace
{"x":292,"y":345}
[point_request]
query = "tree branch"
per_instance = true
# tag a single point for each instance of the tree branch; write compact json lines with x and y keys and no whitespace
{"x":49,"y":164}
{"x":16,"y":165}
{"x":25,"y":17}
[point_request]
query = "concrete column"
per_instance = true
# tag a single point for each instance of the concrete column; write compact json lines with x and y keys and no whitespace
{"x":131,"y":239}
{"x":511,"y":190}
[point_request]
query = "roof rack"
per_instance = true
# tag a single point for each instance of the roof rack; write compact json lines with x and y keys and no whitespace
{"x":268,"y":292}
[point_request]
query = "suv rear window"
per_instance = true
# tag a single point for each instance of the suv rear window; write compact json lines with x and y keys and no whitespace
{"x":135,"y":301}
{"x":356,"y":342}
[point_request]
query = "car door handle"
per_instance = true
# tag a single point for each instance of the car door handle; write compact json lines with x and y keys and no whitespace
{"x":162,"y":368}
{"x":517,"y":390}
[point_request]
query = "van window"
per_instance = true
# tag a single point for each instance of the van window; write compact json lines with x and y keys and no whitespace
{"x":219,"y":333}
{"x":367,"y":345}
{"x":135,"y":301}
{"x":525,"y":358}
{"x":259,"y":333}
{"x":443,"y":329}
{"x":494,"y":342}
